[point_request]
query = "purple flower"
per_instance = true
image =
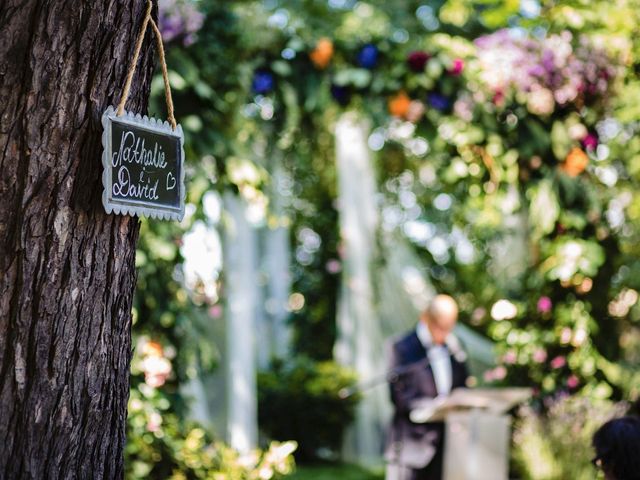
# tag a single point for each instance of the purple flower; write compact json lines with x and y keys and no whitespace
{"x":418,"y":60}
{"x":263,"y":82}
{"x":438,"y":101}
{"x":341,"y":94}
{"x":555,"y":64}
{"x":548,"y":61}
{"x":501,"y":37}
{"x":368,"y":56}
{"x":189,"y":39}
{"x":536,"y":71}
{"x":179,"y":20}
{"x":545,"y":305}
{"x":194,"y":19}
{"x":590,"y":142}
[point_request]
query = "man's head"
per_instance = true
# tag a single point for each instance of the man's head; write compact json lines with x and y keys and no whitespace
{"x":440,"y":317}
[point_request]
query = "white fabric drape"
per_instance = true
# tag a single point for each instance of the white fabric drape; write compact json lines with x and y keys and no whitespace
{"x":359,"y":336}
{"x":241,"y":260}
{"x":277,"y":266}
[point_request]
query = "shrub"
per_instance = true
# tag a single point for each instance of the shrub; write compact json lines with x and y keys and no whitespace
{"x":557,"y":445}
{"x":299,"y":399}
{"x":160,"y":446}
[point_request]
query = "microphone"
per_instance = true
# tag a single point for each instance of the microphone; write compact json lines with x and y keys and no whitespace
{"x":392,"y":376}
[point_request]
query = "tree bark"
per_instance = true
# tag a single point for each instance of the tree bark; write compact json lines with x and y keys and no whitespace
{"x":67,"y":271}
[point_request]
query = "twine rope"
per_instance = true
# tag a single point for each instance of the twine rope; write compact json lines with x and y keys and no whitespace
{"x":165,"y":75}
{"x":134,"y":62}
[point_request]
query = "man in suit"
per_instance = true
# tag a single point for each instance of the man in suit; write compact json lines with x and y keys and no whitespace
{"x":427,"y":362}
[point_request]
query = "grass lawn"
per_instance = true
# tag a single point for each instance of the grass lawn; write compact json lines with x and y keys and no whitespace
{"x":332,"y":471}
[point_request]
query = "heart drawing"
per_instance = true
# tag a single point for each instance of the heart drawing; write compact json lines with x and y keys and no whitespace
{"x":171,"y":181}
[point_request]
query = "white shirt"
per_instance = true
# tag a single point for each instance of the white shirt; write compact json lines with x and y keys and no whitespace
{"x":439,"y":358}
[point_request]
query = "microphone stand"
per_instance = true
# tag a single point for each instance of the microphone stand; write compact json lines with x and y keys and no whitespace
{"x":392,"y":376}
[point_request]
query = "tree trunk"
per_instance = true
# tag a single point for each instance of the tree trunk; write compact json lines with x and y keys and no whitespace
{"x":67,"y":270}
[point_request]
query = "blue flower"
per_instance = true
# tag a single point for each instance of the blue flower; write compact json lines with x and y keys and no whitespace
{"x":368,"y":56}
{"x":263,"y":82}
{"x":438,"y":101}
{"x":341,"y":94}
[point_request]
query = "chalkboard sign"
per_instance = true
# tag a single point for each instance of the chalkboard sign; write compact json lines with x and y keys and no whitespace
{"x":143,"y":166}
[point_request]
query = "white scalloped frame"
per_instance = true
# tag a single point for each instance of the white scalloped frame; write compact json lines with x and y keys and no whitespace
{"x":137,"y":207}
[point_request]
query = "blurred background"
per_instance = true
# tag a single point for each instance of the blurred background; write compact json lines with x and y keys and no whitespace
{"x":347,"y":160}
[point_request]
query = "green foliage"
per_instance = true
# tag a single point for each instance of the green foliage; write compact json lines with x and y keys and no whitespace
{"x":161,"y":446}
{"x":204,"y":91}
{"x":299,"y":399}
{"x":335,"y":471}
{"x":557,"y":446}
{"x":170,"y":319}
{"x":544,"y":209}
{"x":314,"y":210}
{"x":488,"y":175}
{"x":164,"y":309}
{"x":567,"y":257}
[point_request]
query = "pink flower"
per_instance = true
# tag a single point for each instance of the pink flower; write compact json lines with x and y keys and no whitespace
{"x":558,"y":362}
{"x":458,"y":67}
{"x":463,"y":108}
{"x":215,"y":311}
{"x":478,"y":314}
{"x":498,"y":98}
{"x":565,"y":335}
{"x":154,"y":422}
{"x":590,"y":142}
{"x":156,"y":370}
{"x":545,"y":305}
{"x":540,"y":355}
{"x":333,"y":266}
{"x":510,"y":357}
{"x":572,"y":381}
{"x":416,"y":111}
{"x":498,"y":373}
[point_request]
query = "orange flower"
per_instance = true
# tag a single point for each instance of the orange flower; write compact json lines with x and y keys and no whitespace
{"x":576,"y":162}
{"x":322,"y":53}
{"x":399,"y":105}
{"x":152,"y":349}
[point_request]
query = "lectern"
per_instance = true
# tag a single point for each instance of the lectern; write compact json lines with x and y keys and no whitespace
{"x":477,"y":430}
